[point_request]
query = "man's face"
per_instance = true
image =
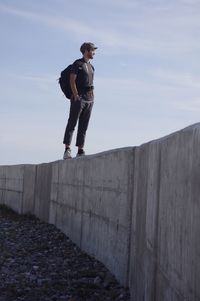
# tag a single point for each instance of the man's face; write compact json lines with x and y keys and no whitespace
{"x":90,"y":53}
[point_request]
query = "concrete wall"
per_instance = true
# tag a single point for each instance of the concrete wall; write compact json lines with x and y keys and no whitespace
{"x":165,"y":236}
{"x":90,"y":202}
{"x":136,"y":209}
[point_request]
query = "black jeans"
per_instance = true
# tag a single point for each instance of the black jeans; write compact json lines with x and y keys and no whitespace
{"x":80,"y":110}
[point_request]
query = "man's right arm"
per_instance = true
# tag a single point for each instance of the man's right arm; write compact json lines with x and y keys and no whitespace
{"x":73,"y":77}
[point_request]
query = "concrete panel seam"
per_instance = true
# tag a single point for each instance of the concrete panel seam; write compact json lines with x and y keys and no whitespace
{"x":57,"y":194}
{"x":36,"y":167}
{"x":82,"y":211}
{"x":157,"y":221}
{"x":22,"y":202}
{"x":130,"y":203}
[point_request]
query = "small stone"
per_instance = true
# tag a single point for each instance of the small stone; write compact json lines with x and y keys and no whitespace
{"x":121,"y":296}
{"x":97,"y":280}
{"x":39,"y":263}
{"x":35,"y":267}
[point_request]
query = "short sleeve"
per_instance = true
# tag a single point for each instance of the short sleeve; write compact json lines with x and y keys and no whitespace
{"x":75,"y":68}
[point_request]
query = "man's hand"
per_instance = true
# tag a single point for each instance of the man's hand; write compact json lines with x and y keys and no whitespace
{"x":76,"y":97}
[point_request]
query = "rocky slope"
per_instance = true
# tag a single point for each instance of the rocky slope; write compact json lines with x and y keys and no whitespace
{"x":38,"y":262}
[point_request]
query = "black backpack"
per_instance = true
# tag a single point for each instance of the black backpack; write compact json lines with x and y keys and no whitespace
{"x":64,"y":81}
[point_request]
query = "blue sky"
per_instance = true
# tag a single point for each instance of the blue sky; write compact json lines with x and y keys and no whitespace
{"x":147,"y":72}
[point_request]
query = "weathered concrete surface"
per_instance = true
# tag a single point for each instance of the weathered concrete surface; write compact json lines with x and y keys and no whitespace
{"x":165,"y":257}
{"x":135,"y":209}
{"x":17,"y":187}
{"x":107,"y":199}
{"x":12,"y":186}
{"x":66,"y":197}
{"x":90,"y":202}
{"x":2,"y":184}
{"x":29,"y":188}
{"x":42,"y":191}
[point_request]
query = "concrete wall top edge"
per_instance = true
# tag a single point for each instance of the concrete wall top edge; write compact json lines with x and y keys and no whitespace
{"x":122,"y":149}
{"x":192,"y":127}
{"x":128,"y":148}
{"x":18,"y":165}
{"x":195,"y":126}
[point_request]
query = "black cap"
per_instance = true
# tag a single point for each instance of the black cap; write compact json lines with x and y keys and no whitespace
{"x":87,"y":46}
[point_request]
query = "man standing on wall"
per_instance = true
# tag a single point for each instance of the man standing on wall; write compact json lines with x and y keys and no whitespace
{"x":82,"y":99}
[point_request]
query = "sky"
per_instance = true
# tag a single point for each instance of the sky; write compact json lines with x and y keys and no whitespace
{"x":147,"y":73}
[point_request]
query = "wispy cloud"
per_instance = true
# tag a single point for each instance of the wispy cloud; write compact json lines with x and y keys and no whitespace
{"x":190,"y":2}
{"x":126,"y":4}
{"x":66,"y":24}
{"x":147,"y":71}
{"x":159,"y":34}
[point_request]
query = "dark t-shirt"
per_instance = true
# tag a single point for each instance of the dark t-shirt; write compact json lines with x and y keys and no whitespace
{"x":84,"y":81}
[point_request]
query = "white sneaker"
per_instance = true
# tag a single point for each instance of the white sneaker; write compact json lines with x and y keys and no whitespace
{"x":67,"y":154}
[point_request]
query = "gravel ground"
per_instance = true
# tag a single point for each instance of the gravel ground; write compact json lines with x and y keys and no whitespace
{"x":39,"y":263}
